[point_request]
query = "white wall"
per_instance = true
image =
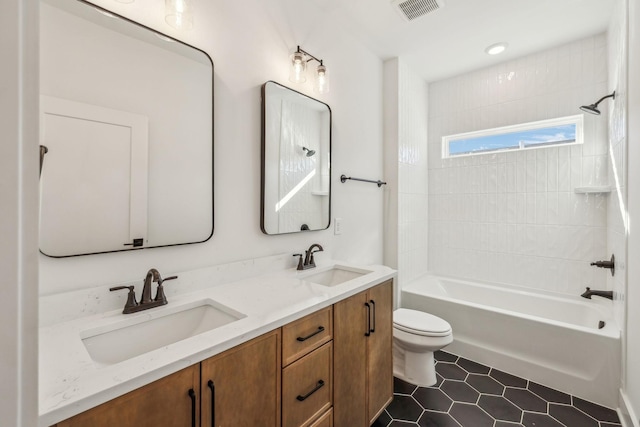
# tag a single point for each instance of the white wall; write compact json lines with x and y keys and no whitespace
{"x":249,"y":49}
{"x":412,"y":174}
{"x":514,"y":217}
{"x":617,"y":135}
{"x":391,"y":135}
{"x":631,"y":386}
{"x":406,"y":96}
{"x":18,"y":213}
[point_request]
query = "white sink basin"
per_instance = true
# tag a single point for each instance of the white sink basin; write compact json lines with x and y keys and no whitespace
{"x":147,"y":331}
{"x":335,"y":275}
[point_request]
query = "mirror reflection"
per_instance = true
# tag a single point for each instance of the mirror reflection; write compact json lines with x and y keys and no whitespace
{"x":127,"y":122}
{"x":296,"y":161}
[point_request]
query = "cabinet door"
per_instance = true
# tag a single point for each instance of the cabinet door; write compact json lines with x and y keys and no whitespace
{"x":380,"y":363}
{"x":350,"y":318}
{"x":166,"y":402}
{"x":241,"y":387}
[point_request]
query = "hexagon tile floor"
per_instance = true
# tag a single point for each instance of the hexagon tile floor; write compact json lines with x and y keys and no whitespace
{"x":469,"y":394}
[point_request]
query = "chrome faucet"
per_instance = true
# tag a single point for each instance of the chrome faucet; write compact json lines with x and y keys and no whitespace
{"x":605,"y":294}
{"x":146,"y":302}
{"x":308,"y":262}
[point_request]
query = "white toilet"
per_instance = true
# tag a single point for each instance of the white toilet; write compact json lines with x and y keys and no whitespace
{"x":416,"y":335}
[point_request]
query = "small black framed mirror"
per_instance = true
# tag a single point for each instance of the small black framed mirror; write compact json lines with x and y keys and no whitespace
{"x":296,"y":161}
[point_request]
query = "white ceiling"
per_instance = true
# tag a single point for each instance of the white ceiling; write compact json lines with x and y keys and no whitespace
{"x":452,"y":40}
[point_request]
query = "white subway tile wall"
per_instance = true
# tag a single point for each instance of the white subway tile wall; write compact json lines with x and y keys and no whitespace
{"x":514,"y":217}
{"x":413,"y":182}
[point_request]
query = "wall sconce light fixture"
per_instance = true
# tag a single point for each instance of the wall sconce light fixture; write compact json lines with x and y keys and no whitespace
{"x":322,"y":79}
{"x":297,"y":72}
{"x":593,"y":108}
{"x":179,"y":14}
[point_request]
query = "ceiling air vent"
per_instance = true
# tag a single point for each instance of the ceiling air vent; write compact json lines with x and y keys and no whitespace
{"x":413,"y":9}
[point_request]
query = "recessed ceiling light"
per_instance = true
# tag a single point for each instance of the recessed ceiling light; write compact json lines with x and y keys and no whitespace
{"x":497,"y":48}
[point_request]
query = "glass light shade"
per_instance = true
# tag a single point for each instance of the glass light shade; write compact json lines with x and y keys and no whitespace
{"x":322,"y":79}
{"x":297,"y":72}
{"x":179,"y":14}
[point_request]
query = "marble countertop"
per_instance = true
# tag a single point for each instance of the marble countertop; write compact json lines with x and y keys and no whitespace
{"x":70,"y":381}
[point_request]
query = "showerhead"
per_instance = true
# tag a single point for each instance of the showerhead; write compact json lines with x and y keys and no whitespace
{"x":309,"y":152}
{"x":593,"y":108}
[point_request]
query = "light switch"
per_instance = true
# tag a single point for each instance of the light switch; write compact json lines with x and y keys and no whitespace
{"x":337,"y":226}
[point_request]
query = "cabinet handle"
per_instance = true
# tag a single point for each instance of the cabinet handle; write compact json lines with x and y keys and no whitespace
{"x":373,"y":304}
{"x":318,"y":387}
{"x":192,"y":395}
{"x":320,"y":329}
{"x":366,"y":334}
{"x":213,"y":402}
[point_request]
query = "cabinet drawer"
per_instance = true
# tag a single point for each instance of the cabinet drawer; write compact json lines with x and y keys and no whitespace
{"x":307,"y":387}
{"x":324,"y":421}
{"x":305,"y":335}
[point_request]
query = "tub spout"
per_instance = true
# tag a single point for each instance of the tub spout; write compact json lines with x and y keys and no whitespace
{"x":605,"y":294}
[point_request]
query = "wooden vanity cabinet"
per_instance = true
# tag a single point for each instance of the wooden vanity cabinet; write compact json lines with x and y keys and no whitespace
{"x":241,"y":387}
{"x":170,"y":401}
{"x":363,"y":361}
{"x":338,"y":359}
{"x":244,"y":392}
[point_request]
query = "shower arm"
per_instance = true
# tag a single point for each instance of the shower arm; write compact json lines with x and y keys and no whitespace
{"x":613,"y":95}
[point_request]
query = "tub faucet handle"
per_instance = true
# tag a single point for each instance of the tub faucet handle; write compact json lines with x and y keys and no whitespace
{"x":610,"y":264}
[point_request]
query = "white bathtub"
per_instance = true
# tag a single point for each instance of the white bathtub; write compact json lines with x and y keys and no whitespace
{"x":549,"y":339}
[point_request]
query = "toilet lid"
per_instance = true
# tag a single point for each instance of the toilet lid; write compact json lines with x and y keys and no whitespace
{"x":420,"y":323}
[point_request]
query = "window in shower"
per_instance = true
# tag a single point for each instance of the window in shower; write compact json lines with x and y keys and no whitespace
{"x":544,"y":133}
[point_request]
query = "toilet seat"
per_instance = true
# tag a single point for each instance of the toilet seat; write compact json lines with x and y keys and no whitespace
{"x":420,"y":323}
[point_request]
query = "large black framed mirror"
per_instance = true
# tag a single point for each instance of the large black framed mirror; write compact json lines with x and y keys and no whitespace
{"x":126,"y":115}
{"x":296,"y":161}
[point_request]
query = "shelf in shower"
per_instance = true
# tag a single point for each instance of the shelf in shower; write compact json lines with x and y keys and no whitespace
{"x":593,"y":190}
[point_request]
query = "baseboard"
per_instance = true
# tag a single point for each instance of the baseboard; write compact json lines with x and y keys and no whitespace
{"x":626,"y":413}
